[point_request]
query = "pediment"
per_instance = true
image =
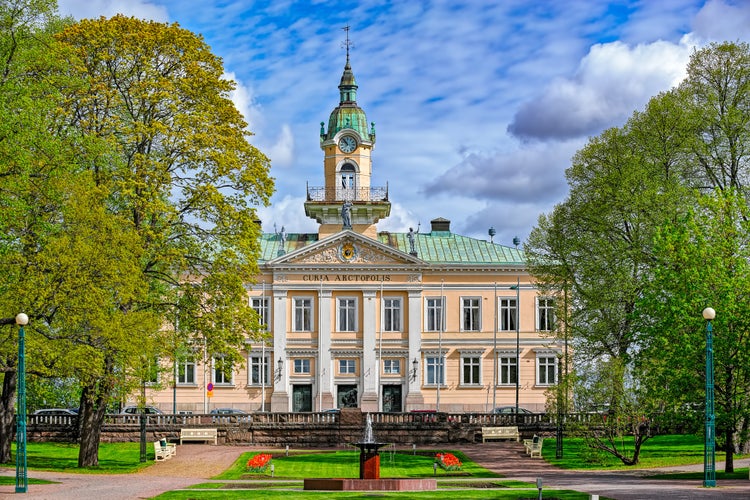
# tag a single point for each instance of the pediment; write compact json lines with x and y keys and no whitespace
{"x":347,"y":248}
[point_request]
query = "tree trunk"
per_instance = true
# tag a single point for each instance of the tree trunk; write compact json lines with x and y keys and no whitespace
{"x":7,"y":402}
{"x":94,"y":399}
{"x":729,"y":460}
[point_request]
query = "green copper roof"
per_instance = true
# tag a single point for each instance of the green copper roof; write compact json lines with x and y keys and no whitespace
{"x":438,"y":247}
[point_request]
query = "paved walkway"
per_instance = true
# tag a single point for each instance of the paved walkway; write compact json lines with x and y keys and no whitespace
{"x":196,"y":463}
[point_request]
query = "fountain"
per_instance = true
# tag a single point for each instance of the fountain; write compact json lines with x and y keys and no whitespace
{"x":369,"y":470}
{"x":369,"y":456}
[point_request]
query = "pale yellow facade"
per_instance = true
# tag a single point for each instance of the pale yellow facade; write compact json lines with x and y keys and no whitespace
{"x":363,"y":318}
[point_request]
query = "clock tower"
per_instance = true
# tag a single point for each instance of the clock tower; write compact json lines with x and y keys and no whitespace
{"x":348,"y":200}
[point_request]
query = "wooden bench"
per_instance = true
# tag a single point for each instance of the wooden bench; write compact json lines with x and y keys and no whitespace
{"x":536,"y":448}
{"x":198,"y":435}
{"x":499,"y":433}
{"x":162,"y":452}
{"x":528,"y":443}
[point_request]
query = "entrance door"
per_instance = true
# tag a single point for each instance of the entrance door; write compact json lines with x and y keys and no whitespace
{"x":346,"y":396}
{"x":392,"y":399}
{"x":302,"y":397}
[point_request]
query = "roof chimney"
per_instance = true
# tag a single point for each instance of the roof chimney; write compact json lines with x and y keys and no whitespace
{"x":440,"y":225}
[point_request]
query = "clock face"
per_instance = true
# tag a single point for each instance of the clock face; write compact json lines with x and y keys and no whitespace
{"x":347,"y":144}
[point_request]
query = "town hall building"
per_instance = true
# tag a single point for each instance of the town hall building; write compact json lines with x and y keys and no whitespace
{"x":387,"y":322}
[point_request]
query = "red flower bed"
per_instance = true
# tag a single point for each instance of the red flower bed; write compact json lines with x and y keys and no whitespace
{"x":448,"y":461}
{"x":259,"y":462}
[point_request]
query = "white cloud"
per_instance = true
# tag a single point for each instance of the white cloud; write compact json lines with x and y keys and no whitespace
{"x":93,"y":9}
{"x":719,"y":20}
{"x":612,"y":81}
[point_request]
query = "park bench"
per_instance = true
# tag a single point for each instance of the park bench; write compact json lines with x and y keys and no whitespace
{"x":528,"y":443}
{"x":164,"y":451}
{"x":198,"y":435}
{"x":536,"y":448}
{"x":499,"y":433}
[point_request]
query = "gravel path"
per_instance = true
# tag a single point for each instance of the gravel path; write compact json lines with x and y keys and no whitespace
{"x":196,"y":463}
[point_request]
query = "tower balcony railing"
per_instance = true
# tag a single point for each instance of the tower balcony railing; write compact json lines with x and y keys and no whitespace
{"x":347,"y":194}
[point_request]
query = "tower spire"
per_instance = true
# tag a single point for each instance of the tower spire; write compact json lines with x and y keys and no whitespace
{"x":347,"y":43}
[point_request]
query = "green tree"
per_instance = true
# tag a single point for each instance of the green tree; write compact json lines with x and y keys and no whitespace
{"x":34,"y":163}
{"x":181,"y":178}
{"x":703,"y":262}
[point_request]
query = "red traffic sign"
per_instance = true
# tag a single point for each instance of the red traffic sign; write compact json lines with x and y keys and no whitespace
{"x":210,"y":387}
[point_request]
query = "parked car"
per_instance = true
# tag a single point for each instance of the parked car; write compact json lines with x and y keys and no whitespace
{"x":510,"y":409}
{"x":56,"y":411}
{"x":137,"y":410}
{"x":54,"y":415}
{"x":229,"y":415}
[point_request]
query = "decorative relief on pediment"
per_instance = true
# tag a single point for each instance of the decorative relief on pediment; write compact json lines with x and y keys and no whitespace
{"x":347,"y":252}
{"x":414,"y":278}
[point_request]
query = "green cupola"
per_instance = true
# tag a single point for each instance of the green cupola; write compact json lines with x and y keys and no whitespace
{"x":348,"y":115}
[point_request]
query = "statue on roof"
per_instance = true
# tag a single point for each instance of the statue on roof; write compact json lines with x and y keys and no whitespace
{"x":412,"y":236}
{"x":281,"y":235}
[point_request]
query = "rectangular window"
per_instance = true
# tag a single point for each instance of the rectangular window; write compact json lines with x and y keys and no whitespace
{"x":302,"y":366}
{"x":186,"y":372}
{"x":151,"y":372}
{"x":222,"y":371}
{"x":470,"y":370}
{"x":259,"y":365}
{"x":260,"y":306}
{"x":508,"y":371}
{"x":471,"y":314}
{"x":545,"y":314}
{"x":508,"y":314}
{"x":435,"y":371}
{"x":435,"y":314}
{"x":347,"y":366}
{"x":303,"y":314}
{"x":392,"y":366}
{"x":347,"y":317}
{"x":547,"y":369}
{"x":392,"y":315}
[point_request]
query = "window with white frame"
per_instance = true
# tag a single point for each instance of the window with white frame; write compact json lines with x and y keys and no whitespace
{"x":222,"y":373}
{"x":546,"y":369}
{"x":392,"y":366}
{"x":471,"y":314}
{"x":259,"y":369}
{"x":303,"y":311}
{"x":434,"y":370}
{"x":347,"y":316}
{"x":391,"y":314}
{"x":435,"y":314}
{"x":545,"y":308}
{"x":302,"y":366}
{"x":261,"y":306}
{"x":151,"y":372}
{"x":470,"y":370}
{"x":508,"y":366}
{"x":185,"y":372}
{"x":347,"y":366}
{"x":508,"y":314}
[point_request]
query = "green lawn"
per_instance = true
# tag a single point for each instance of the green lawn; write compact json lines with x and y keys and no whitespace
{"x":659,"y":451}
{"x":346,"y":464}
{"x":114,"y":458}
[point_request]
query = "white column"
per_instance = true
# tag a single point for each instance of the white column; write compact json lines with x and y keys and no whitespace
{"x":414,"y":394}
{"x":280,"y":400}
{"x":368,"y":373}
{"x":325,"y":400}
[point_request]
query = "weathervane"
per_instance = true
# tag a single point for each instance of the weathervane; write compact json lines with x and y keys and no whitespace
{"x":347,"y":43}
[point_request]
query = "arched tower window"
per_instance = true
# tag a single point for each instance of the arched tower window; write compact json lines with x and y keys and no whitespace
{"x":347,"y":186}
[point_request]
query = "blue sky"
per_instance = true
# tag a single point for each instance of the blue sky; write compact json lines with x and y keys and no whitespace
{"x":478,"y":105}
